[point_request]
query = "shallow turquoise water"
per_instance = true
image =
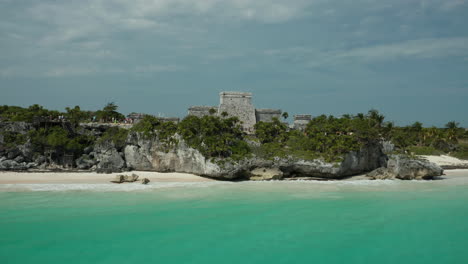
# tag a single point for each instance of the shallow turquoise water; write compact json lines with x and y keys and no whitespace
{"x":239,"y":223}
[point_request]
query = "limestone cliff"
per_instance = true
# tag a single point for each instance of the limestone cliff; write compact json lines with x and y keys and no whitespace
{"x":142,"y":153}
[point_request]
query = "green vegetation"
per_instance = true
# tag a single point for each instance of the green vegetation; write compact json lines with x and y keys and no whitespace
{"x":74,"y":115}
{"x":109,"y":113}
{"x":325,"y":136}
{"x":116,"y":135}
{"x":268,"y":132}
{"x":221,"y":136}
{"x":12,"y":139}
{"x":16,"y":113}
{"x":59,"y":140}
{"x":151,"y":127}
{"x":214,"y":136}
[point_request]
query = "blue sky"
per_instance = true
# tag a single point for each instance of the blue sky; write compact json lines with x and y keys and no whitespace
{"x":406,"y":58}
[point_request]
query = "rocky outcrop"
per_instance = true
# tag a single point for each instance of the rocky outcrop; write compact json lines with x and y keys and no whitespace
{"x":15,"y":127}
{"x":85,"y":162}
{"x":108,"y":158}
{"x":405,"y":168}
{"x":17,"y":164}
{"x":145,"y":181}
{"x":141,"y":153}
{"x":126,"y":178}
{"x":152,"y":154}
{"x":146,"y":154}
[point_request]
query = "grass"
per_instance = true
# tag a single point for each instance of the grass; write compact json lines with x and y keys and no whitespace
{"x":423,"y":150}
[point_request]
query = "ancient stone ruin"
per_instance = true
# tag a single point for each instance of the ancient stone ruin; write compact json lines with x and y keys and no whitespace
{"x":237,"y":104}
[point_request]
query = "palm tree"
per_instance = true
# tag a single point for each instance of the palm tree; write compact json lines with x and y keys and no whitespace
{"x":285,"y":115}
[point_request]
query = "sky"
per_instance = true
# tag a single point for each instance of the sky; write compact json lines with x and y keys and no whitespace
{"x":406,"y":58}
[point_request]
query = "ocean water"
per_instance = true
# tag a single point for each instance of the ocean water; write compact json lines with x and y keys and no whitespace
{"x":257,"y":222}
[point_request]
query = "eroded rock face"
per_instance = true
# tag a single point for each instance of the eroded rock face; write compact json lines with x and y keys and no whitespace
{"x":146,"y":154}
{"x":151,"y":154}
{"x":404,"y":168}
{"x":410,"y":169}
{"x":108,"y":158}
{"x":85,"y":162}
{"x":7,"y":164}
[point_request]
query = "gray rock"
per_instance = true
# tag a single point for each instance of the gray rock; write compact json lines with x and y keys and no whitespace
{"x":13,"y":153}
{"x":381,"y":174}
{"x":119,"y":179}
{"x":19,"y":159}
{"x":40,"y":159}
{"x":15,"y":127}
{"x":146,"y":154}
{"x":411,"y":169}
{"x":88,"y":150}
{"x":12,"y":165}
{"x":85,"y":162}
{"x":26,"y":150}
{"x":125,"y":178}
{"x":131,"y":178}
{"x":145,"y":181}
{"x":405,"y":168}
{"x":108,"y":158}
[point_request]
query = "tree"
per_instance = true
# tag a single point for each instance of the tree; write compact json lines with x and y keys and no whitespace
{"x":214,"y":136}
{"x":268,"y":132}
{"x":75,"y":115}
{"x":375,"y":118}
{"x":109,"y":112}
{"x":285,"y":115}
{"x":452,"y":125}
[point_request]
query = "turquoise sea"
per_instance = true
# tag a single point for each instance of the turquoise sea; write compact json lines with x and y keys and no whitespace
{"x":256,"y":222}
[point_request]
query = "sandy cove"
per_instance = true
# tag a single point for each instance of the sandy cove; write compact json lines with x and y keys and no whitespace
{"x":8,"y":177}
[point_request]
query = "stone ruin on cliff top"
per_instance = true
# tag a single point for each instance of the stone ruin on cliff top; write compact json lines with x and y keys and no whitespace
{"x":239,"y":104}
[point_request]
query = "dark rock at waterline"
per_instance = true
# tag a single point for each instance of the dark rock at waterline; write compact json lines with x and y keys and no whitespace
{"x":145,"y":181}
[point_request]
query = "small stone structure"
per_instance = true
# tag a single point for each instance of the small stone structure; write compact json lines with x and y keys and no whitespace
{"x":238,"y":104}
{"x":301,"y":121}
{"x":267,"y":115}
{"x":201,"y":111}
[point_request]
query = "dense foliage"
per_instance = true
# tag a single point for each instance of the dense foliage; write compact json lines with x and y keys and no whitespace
{"x":74,"y":115}
{"x":328,"y":137}
{"x":325,"y":136}
{"x":215,"y":136}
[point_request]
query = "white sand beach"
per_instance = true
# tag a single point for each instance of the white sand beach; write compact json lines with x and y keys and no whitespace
{"x":444,"y":160}
{"x":7,"y":177}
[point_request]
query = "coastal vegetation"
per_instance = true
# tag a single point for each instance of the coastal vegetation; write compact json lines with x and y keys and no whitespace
{"x":221,"y":137}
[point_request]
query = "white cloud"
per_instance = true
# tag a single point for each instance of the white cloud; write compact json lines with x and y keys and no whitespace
{"x":74,"y":70}
{"x":420,"y":48}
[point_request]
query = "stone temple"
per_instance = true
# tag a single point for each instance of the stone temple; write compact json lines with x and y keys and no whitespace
{"x":237,"y":104}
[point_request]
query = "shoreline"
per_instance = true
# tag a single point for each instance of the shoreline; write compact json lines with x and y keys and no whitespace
{"x":452,"y":167}
{"x":65,"y":177}
{"x":61,"y":177}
